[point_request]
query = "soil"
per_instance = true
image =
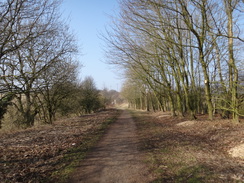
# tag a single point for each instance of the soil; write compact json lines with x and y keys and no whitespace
{"x":116,"y":159}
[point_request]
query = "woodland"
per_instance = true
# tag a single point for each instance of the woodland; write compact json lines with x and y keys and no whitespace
{"x":183,"y":65}
{"x":181,"y":56}
{"x":39,"y":67}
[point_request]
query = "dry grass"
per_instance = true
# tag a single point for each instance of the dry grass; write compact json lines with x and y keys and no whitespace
{"x":195,"y":151}
{"x":34,"y":154}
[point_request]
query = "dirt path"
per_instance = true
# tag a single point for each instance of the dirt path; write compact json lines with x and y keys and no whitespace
{"x":116,"y":158}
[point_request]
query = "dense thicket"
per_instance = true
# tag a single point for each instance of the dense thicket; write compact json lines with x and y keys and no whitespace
{"x":183,"y":56}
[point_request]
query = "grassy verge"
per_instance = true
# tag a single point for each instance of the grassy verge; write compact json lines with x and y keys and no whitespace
{"x":72,"y":158}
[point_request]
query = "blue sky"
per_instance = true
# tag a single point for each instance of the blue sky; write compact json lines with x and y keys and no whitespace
{"x":88,"y":18}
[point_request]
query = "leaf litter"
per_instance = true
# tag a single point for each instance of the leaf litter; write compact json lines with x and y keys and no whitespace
{"x":31,"y":155}
{"x":179,"y":150}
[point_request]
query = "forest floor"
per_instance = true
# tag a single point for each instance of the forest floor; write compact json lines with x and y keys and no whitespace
{"x":179,"y":150}
{"x":148,"y":147}
{"x":49,"y":153}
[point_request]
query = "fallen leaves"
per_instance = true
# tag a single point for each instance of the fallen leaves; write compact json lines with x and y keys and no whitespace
{"x":191,"y":151}
{"x":30,"y":155}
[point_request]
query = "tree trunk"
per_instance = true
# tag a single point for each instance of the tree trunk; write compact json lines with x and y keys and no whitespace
{"x":233,"y":72}
{"x":208,"y":95}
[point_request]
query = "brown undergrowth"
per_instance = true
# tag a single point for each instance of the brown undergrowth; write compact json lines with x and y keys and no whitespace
{"x":190,"y":152}
{"x":49,"y":153}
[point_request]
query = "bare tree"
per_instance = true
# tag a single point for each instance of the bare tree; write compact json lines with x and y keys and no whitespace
{"x":179,"y":46}
{"x":59,"y":84}
{"x":36,"y":44}
{"x":233,"y":71}
{"x":21,"y":21}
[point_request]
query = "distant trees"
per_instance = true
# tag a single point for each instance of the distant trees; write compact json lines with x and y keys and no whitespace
{"x":89,"y":96}
{"x":85,"y":98}
{"x":110,"y":98}
{"x":180,"y":52}
{"x":88,"y":99}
